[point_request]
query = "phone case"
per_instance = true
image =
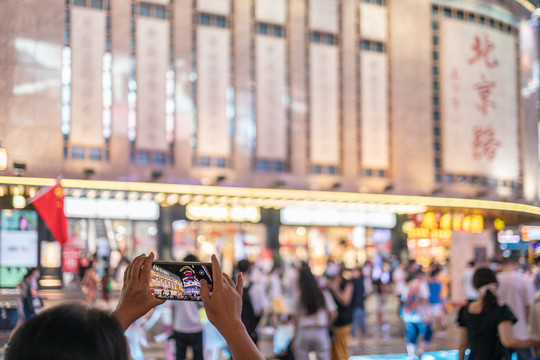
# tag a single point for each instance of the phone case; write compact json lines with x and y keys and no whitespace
{"x":179,"y":280}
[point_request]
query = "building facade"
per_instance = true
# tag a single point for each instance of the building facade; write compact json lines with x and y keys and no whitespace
{"x":391,"y":97}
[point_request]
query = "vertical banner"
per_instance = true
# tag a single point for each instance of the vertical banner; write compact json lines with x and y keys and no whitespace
{"x":213,"y":73}
{"x":88,"y":47}
{"x":271,"y":116}
{"x":374,"y":103}
{"x":271,"y":11}
{"x":323,"y":15}
{"x":373,"y":22}
{"x":152,"y":65}
{"x":324,"y":114}
{"x":220,"y":7}
{"x":479,"y":101}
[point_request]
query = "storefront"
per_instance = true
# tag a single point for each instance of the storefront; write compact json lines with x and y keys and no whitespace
{"x":317,"y":235}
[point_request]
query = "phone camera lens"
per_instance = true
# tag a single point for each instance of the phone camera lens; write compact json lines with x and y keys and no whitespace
{"x":201,"y":272}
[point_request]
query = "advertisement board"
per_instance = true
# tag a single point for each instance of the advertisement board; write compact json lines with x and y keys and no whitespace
{"x":18,"y":245}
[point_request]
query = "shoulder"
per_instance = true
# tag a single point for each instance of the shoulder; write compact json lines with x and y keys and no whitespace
{"x":504,"y":313}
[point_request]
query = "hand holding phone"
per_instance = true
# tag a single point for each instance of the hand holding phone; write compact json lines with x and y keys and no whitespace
{"x":179,"y":280}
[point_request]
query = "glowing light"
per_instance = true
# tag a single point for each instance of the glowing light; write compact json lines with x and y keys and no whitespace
{"x":19,"y":201}
{"x":3,"y":158}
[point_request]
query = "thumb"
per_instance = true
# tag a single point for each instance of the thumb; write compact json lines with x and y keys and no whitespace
{"x":205,"y":292}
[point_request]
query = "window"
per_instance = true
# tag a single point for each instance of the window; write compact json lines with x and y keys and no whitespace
{"x":160,"y":12}
{"x":77,"y":153}
{"x":436,"y":116}
{"x":382,"y":173}
{"x":278,"y":31}
{"x":437,"y":162}
{"x":435,"y":40}
{"x":447,"y":12}
{"x":316,"y":37}
{"x":435,"y":70}
{"x":438,"y":178}
{"x":317,"y":169}
{"x":471,"y":18}
{"x":474,"y":180}
{"x":159,"y":158}
{"x":263,"y":29}
{"x":262,"y":165}
{"x":79,"y":2}
{"x":482,"y":20}
{"x":144,"y":10}
{"x":460,"y":15}
{"x":220,"y":22}
{"x":436,"y":101}
{"x":485,"y":181}
{"x":332,"y":170}
{"x":436,"y":86}
{"x":380,"y":47}
{"x":367,"y":172}
{"x":449,"y":178}
{"x":437,"y":131}
{"x":143,"y":157}
{"x":205,"y":20}
{"x":435,"y":10}
{"x":437,"y":146}
{"x":435,"y":25}
{"x":330,"y":39}
{"x":96,"y":4}
{"x":204,"y":161}
{"x":366,"y":45}
{"x":435,"y":55}
{"x":278,"y":166}
{"x":94,"y":154}
{"x":221,"y":162}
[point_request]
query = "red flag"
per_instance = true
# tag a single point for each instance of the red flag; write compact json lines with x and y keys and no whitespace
{"x":50,"y":206}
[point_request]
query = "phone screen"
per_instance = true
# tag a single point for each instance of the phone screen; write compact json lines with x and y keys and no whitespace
{"x":179,"y":280}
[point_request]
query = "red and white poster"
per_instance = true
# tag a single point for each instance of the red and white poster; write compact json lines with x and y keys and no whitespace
{"x":479,"y":100}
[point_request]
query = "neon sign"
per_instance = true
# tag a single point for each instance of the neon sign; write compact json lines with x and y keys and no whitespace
{"x":226,"y":213}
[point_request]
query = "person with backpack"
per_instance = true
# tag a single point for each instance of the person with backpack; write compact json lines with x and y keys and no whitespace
{"x":254,"y":300}
{"x":416,"y":315}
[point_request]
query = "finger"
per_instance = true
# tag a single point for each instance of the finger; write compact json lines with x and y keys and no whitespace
{"x":130,"y":267}
{"x":137,"y":264}
{"x":205,"y":292}
{"x":240,"y":284}
{"x":216,"y":270}
{"x":229,"y":280}
{"x":147,"y":265}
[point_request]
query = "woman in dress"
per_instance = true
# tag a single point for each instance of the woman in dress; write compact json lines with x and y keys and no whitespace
{"x":486,"y":325}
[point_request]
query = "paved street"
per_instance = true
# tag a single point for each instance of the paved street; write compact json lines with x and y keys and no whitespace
{"x":388,"y":340}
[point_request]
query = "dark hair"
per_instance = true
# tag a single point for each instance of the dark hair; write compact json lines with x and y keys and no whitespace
{"x":191,"y":257}
{"x":485,"y":276}
{"x":414,"y":275}
{"x":243,"y":266}
{"x":29,"y":273}
{"x":69,"y":332}
{"x":311,"y":296}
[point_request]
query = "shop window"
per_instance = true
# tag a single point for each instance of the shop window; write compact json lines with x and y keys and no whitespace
{"x":160,"y":12}
{"x":143,"y":157}
{"x":144,"y":10}
{"x":205,"y":20}
{"x":94,"y":154}
{"x":77,"y":153}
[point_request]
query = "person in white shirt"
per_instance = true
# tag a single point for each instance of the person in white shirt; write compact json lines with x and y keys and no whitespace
{"x":470,"y":292}
{"x":516,"y":291}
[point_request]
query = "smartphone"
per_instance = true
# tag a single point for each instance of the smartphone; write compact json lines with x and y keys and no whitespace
{"x":179,"y":280}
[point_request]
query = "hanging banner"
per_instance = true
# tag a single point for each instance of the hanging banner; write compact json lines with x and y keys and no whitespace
{"x":373,"y":22}
{"x":374,"y":106}
{"x":213,"y":74}
{"x":323,"y":15}
{"x":324,"y":114}
{"x":479,"y":101}
{"x":88,"y":47}
{"x":271,"y":11}
{"x":152,"y":65}
{"x":271,"y":113}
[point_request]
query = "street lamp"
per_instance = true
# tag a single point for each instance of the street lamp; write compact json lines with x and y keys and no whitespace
{"x":3,"y":158}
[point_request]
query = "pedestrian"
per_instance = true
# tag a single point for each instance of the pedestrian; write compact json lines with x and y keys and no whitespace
{"x":435,"y":301}
{"x":415,"y":314}
{"x":254,"y":300}
{"x":187,"y":325}
{"x":342,"y":292}
{"x":106,"y":285}
{"x":89,"y":283}
{"x":77,"y":331}
{"x":466,"y":279}
{"x":399,"y":280}
{"x":486,"y":324}
{"x":358,"y":304}
{"x":517,"y":291}
{"x":315,"y":311}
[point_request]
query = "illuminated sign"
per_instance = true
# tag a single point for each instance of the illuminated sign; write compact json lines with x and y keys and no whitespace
{"x":111,"y":209}
{"x":437,"y":226}
{"x":529,"y":233}
{"x":226,"y":213}
{"x":297,"y":215}
{"x":3,"y":159}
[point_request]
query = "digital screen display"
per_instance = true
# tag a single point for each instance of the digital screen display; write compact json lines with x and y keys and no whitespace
{"x":179,"y":280}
